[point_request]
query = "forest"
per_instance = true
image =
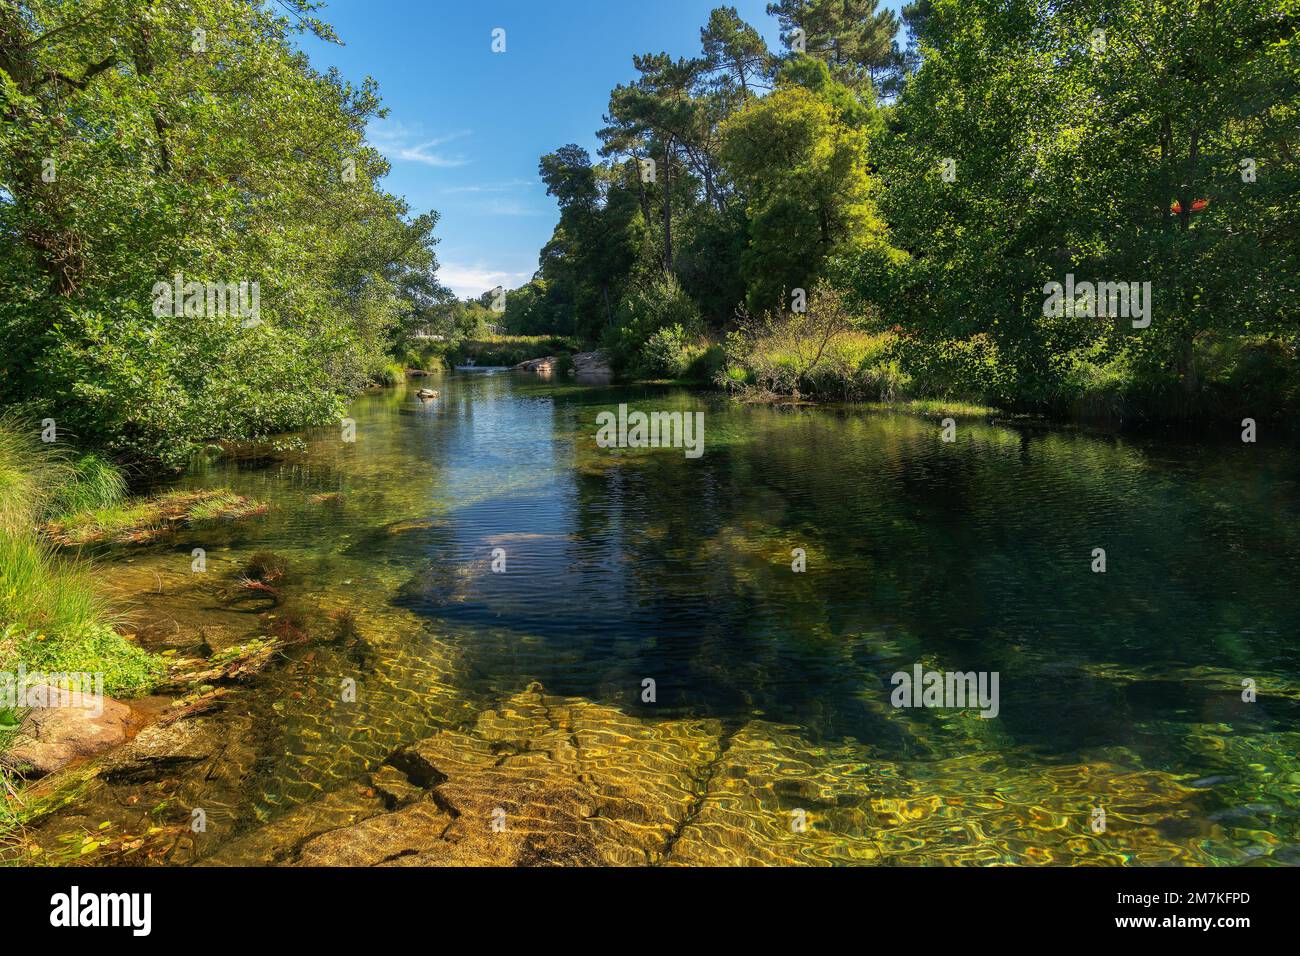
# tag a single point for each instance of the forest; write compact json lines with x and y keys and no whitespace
{"x":880,"y":209}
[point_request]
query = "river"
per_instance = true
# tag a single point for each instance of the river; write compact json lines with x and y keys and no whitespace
{"x":482,"y":543}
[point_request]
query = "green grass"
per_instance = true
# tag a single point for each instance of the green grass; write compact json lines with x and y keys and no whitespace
{"x":54,"y":619}
{"x":93,"y":483}
{"x":942,"y":406}
{"x":136,"y":522}
{"x":52,"y":616}
{"x":40,"y":481}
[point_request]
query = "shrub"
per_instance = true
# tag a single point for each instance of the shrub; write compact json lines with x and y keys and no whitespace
{"x":389,"y":374}
{"x":426,"y":356}
{"x":154,"y":389}
{"x":666,"y":353}
{"x":791,"y":352}
{"x":954,"y":368}
{"x":659,"y":304}
{"x":706,"y":363}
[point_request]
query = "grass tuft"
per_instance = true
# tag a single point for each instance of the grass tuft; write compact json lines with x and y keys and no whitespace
{"x":139,"y":522}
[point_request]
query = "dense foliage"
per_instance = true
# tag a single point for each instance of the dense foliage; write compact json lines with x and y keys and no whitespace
{"x":148,"y":140}
{"x":941,"y":182}
{"x":1116,"y":141}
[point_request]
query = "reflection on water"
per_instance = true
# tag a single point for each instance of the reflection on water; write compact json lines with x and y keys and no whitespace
{"x":1120,"y":690}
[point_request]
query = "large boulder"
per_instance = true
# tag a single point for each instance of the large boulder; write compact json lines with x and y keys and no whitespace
{"x":593,"y":367}
{"x":51,"y":738}
{"x":543,"y":365}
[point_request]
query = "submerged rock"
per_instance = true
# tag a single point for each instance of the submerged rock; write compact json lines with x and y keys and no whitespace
{"x":162,"y":749}
{"x":544,"y":780}
{"x":51,"y":738}
{"x":540,"y":781}
{"x":277,"y":841}
{"x":379,"y":839}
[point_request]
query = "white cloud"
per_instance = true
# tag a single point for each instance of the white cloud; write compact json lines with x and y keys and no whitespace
{"x":467,"y":280}
{"x":507,"y":207}
{"x":505,"y":187}
{"x":495,"y":199}
{"x":398,"y":141}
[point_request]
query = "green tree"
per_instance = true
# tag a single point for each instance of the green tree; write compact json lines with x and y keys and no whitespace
{"x":802,"y":168}
{"x":735,"y":54}
{"x":592,"y":254}
{"x":143,"y":139}
{"x":659,"y":113}
{"x":854,"y":37}
{"x":1113,"y":155}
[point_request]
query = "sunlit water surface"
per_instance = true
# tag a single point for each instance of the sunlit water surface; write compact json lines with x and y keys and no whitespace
{"x":1120,"y":690}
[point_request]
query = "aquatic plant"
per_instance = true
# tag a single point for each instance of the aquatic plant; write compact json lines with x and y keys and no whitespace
{"x":266,"y":567}
{"x":137,"y":522}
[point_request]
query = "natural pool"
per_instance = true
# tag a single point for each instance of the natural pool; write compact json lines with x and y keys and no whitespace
{"x":1120,"y":691}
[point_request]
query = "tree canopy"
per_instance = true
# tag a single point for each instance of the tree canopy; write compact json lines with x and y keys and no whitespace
{"x":946,"y":178}
{"x":148,"y":140}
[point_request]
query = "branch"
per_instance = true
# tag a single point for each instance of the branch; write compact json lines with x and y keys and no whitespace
{"x":92,"y":71}
{"x":62,"y":28}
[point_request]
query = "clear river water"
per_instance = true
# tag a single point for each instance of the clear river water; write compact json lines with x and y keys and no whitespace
{"x":1120,"y":691}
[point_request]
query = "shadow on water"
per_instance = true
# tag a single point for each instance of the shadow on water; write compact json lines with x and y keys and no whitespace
{"x":618,"y":566}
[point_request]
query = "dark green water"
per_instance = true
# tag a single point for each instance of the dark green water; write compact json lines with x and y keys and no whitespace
{"x":1121,"y":690}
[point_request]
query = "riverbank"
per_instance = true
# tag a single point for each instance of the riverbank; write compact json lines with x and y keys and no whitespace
{"x":69,"y":656}
{"x":825,"y":359}
{"x":54,"y":617}
{"x":797,"y":362}
{"x":500,"y":351}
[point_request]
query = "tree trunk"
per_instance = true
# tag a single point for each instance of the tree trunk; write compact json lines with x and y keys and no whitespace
{"x":668,"y":206}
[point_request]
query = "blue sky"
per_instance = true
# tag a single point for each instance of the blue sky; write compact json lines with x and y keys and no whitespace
{"x":466,"y":126}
